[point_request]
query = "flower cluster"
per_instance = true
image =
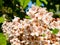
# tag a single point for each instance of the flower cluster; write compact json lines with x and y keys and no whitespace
{"x":34,"y":31}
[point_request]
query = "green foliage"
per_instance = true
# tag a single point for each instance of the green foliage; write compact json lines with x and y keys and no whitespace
{"x":38,"y":3}
{"x":45,"y":1}
{"x":2,"y":39}
{"x":54,"y":31}
{"x":24,"y":3}
{"x":2,"y":19}
{"x":1,"y":2}
{"x":28,"y":17}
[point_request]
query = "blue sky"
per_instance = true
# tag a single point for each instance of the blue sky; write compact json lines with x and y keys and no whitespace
{"x":30,"y":4}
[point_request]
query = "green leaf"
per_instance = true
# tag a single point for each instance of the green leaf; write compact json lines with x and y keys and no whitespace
{"x":45,"y":1}
{"x":28,"y":17}
{"x":38,"y":3}
{"x":2,"y":19}
{"x":21,"y":2}
{"x":54,"y":31}
{"x":2,"y":39}
{"x":24,"y":3}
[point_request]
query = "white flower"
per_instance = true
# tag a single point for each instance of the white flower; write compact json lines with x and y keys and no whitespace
{"x":32,"y":33}
{"x":36,"y":33}
{"x":15,"y":19}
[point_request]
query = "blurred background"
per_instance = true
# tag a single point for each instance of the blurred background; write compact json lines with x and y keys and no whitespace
{"x":11,"y":8}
